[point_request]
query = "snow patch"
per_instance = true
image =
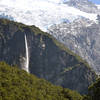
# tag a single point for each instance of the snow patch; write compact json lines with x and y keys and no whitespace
{"x":98,"y":6}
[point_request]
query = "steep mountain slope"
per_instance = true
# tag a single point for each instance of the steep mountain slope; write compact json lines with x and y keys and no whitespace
{"x":17,"y":84}
{"x":46,"y":13}
{"x":94,"y":91}
{"x":83,"y":37}
{"x":49,"y":59}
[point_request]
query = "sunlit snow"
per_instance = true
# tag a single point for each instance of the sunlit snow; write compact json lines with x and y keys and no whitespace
{"x":98,"y":6}
{"x":42,"y":13}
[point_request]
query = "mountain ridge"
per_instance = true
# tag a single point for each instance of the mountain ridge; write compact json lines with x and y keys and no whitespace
{"x":49,"y":59}
{"x":82,"y":37}
{"x":86,"y":5}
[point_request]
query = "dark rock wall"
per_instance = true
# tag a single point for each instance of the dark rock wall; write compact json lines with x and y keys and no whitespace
{"x":48,"y":58}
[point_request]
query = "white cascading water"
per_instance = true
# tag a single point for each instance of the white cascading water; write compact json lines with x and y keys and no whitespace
{"x":26,"y":66}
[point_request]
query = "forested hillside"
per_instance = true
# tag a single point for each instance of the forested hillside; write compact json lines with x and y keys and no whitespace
{"x":16,"y":84}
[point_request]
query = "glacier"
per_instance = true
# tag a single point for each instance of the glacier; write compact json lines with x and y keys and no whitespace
{"x":41,"y":13}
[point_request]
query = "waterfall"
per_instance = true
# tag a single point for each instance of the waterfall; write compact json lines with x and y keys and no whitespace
{"x":26,"y":63}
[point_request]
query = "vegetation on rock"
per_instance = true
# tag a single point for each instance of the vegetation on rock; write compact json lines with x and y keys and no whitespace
{"x":94,"y":91}
{"x":49,"y":59}
{"x":16,"y":84}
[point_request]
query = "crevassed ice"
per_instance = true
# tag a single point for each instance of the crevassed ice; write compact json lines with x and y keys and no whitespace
{"x":41,"y":13}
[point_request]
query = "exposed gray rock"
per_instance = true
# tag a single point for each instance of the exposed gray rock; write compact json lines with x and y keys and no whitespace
{"x":49,"y":59}
{"x":83,"y":37}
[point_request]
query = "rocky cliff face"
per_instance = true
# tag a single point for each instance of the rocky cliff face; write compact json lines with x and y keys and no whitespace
{"x":49,"y":59}
{"x":82,"y":37}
